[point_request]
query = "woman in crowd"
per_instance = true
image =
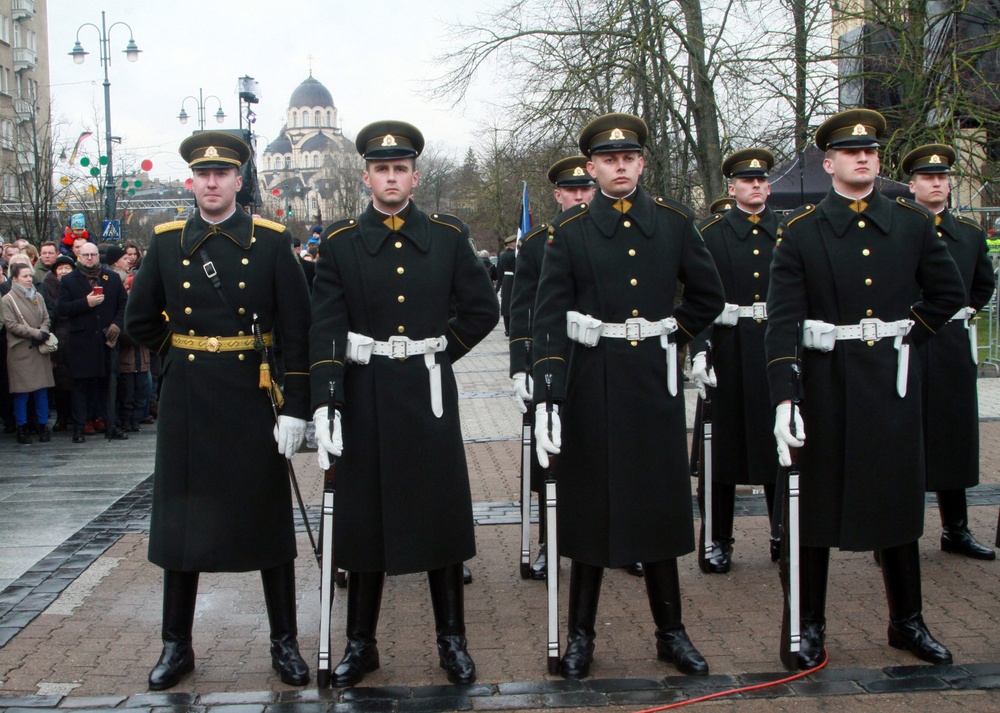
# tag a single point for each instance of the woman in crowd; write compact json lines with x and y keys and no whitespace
{"x":29,"y":371}
{"x":60,"y":327}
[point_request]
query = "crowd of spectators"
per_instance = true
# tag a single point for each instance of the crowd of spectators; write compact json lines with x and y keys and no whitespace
{"x":97,"y":380}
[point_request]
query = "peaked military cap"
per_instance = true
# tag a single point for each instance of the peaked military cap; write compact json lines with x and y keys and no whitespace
{"x":570,"y":171}
{"x":851,"y":129}
{"x":748,"y":163}
{"x":509,"y":240}
{"x":721,"y":205}
{"x":613,"y":132}
{"x":383,"y":140}
{"x":932,"y":158}
{"x":214,"y":149}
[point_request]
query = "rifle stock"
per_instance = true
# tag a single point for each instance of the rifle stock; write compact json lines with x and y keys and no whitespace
{"x":790,"y":550}
{"x":705,"y":469}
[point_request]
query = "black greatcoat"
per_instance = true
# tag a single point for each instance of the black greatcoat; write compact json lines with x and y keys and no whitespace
{"x":951,"y":406}
{"x":221,"y":496}
{"x":90,"y":355}
{"x":506,"y":262}
{"x":742,"y":419}
{"x":862,"y":465}
{"x":624,"y":489}
{"x":526,"y":274}
{"x":403,"y":498}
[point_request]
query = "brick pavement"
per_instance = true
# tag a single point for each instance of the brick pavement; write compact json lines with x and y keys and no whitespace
{"x":89,"y":645}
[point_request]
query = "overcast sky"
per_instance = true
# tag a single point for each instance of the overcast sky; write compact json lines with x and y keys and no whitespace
{"x":372,"y":55}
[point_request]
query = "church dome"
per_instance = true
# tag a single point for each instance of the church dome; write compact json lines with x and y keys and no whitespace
{"x":310,"y":93}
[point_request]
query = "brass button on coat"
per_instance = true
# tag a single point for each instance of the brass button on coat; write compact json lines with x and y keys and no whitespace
{"x":866,"y":252}
{"x":633,"y":282}
{"x":187,"y":285}
{"x":861,"y":223}
{"x":868,"y":281}
{"x":188,"y":310}
{"x":400,"y":271}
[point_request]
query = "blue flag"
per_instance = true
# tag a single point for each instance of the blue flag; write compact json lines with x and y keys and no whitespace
{"x":525,"y":225}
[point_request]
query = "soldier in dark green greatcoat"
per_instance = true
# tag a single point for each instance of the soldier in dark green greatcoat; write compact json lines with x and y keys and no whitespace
{"x":855,"y":281}
{"x":221,"y":497}
{"x":402,"y":297}
{"x":607,"y":331}
{"x":950,"y":360}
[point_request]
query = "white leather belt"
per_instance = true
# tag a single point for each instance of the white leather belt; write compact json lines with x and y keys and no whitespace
{"x":361,"y":348}
{"x":588,"y":331}
{"x":822,"y":336}
{"x":966,"y":315}
{"x":731,"y":314}
{"x":508,"y":273}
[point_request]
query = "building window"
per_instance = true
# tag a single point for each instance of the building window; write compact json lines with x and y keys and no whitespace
{"x":305,"y":118}
{"x":329,"y":118}
{"x":4,"y":89}
{"x":5,"y":28}
{"x":7,"y":134}
{"x":278,"y":163}
{"x":319,"y":118}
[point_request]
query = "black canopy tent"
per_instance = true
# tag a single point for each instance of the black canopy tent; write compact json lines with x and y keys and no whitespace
{"x":802,"y":180}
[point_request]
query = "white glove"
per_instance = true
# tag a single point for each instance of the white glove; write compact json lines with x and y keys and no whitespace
{"x":545,"y":446}
{"x":327,"y":444}
{"x":522,"y":391}
{"x":783,"y":434}
{"x":288,"y":433}
{"x":701,"y":375}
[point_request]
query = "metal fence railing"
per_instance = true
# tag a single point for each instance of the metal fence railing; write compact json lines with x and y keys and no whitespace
{"x":992,"y":314}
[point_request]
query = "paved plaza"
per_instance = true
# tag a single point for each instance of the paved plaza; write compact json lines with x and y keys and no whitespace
{"x":80,"y":604}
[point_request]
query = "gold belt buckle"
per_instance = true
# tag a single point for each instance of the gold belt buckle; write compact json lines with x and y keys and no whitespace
{"x":212,"y":344}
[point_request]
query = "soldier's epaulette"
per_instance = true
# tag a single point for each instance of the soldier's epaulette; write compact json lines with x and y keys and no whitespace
{"x":675,"y":206}
{"x":167,"y":227}
{"x":265,"y":223}
{"x":801,"y":212}
{"x":710,"y":221}
{"x":339,"y":227}
{"x":968,"y":221}
{"x":913,"y":205}
{"x":571,"y":213}
{"x":542,"y":228}
{"x":445,"y":219}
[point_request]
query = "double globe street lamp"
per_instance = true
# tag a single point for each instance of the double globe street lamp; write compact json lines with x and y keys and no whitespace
{"x":220,"y":116}
{"x":79,"y":55}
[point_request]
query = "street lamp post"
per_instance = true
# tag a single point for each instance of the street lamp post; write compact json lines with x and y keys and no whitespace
{"x":79,"y":55}
{"x":220,"y":116}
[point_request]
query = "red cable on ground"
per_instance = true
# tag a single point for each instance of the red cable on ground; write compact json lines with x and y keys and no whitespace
{"x":826,"y":657}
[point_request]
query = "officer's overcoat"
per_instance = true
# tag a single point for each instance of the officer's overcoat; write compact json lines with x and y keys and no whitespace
{"x":221,"y":499}
{"x":403,"y":499}
{"x":522,"y":308}
{"x":506,"y":263}
{"x":862,"y":464}
{"x":624,"y":490}
{"x":742,"y":418}
{"x":951,"y":415}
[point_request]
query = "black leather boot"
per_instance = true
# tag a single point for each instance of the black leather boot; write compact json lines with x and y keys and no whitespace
{"x":672,"y":643}
{"x":955,"y":535}
{"x":723,"y":512}
{"x":23,"y":436}
{"x":180,"y":591}
{"x":364,"y":600}
{"x":901,"y":574}
{"x":815,"y":565}
{"x":43,"y":434}
{"x":78,"y":436}
{"x":279,"y":595}
{"x":584,"y":594}
{"x":448,"y":601}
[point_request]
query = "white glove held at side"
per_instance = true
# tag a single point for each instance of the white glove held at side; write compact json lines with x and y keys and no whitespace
{"x":522,"y":391}
{"x":783,"y":432}
{"x":327,"y":444}
{"x":288,"y":434}
{"x":544,"y":445}
{"x":701,"y":374}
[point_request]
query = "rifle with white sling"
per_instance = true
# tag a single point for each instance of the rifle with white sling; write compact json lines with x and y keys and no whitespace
{"x":551,"y":533}
{"x":705,"y":469}
{"x":527,"y":428}
{"x":327,"y":571}
{"x":790,"y":567}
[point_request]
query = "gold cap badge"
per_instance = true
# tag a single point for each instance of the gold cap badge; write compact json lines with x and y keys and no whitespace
{"x":388,"y":140}
{"x":935,"y":159}
{"x":859,"y":130}
{"x":578,"y":171}
{"x":211,"y":152}
{"x":755,"y":163}
{"x":617,"y":135}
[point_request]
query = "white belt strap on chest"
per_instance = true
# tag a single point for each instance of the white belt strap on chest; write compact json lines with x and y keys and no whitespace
{"x":361,"y":348}
{"x":966,"y":314}
{"x":822,"y":336}
{"x":731,"y":314}
{"x":588,"y":331}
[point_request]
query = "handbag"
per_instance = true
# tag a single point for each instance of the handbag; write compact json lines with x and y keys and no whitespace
{"x":46,"y":347}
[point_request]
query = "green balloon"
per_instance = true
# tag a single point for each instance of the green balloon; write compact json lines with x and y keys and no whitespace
{"x":124,"y":184}
{"x":84,"y":161}
{"x":131,"y":191}
{"x":95,"y":171}
{"x":138,"y":184}
{"x":104,"y":160}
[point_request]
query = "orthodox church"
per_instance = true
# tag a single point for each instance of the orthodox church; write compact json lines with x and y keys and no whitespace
{"x":311,"y":171}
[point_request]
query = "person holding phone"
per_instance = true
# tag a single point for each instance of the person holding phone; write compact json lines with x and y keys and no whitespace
{"x":92,"y":298}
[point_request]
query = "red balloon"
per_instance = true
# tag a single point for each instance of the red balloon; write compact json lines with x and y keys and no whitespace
{"x":146,"y":165}
{"x":275,"y":192}
{"x":279,"y":212}
{"x":189,"y":184}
